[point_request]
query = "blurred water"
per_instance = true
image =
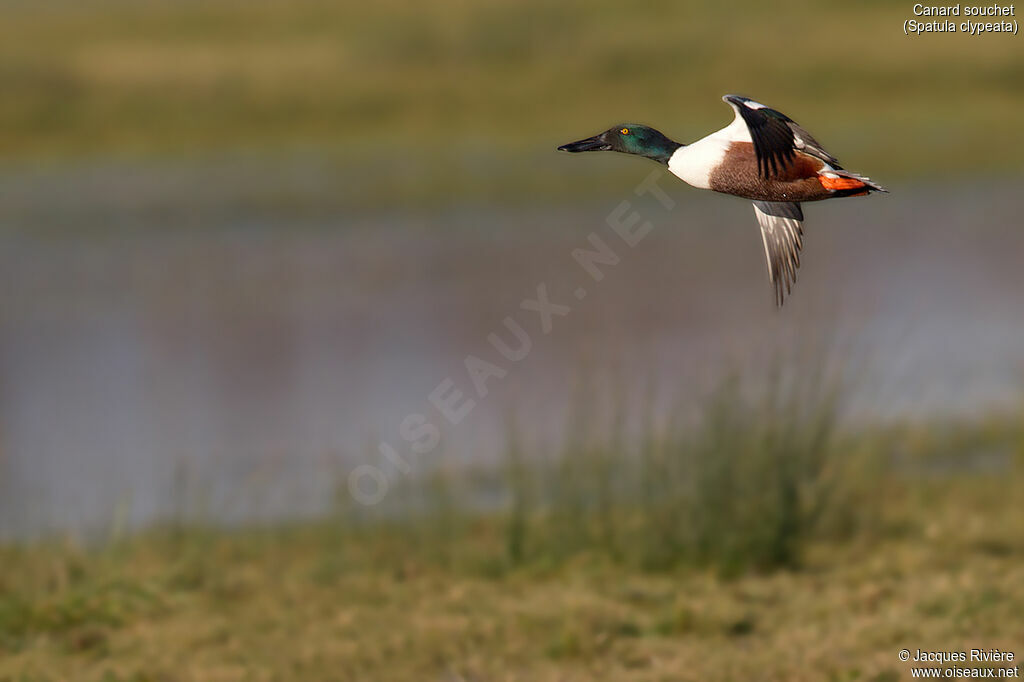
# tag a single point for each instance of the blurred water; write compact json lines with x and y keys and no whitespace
{"x":161,"y":358}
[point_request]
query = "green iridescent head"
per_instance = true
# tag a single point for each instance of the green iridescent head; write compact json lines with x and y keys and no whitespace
{"x":628,"y":138}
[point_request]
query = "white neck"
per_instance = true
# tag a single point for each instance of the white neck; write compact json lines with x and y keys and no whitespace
{"x":694,"y":163}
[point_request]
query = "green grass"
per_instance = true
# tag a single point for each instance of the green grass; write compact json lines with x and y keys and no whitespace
{"x":760,"y":538}
{"x":754,"y":478}
{"x":320,"y":601}
{"x":744,"y":484}
{"x":453,"y":100}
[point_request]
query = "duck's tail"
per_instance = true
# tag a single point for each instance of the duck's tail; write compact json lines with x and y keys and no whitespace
{"x":847,"y":184}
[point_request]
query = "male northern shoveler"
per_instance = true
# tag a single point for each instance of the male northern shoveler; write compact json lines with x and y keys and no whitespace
{"x":763,"y":155}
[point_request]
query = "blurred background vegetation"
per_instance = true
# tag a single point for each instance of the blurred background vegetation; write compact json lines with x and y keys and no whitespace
{"x":420,"y":98}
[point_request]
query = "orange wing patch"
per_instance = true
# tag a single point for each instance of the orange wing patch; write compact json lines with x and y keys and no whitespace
{"x":839,"y":183}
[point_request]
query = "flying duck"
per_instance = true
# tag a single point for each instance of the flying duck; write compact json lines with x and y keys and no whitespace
{"x":764,"y":156}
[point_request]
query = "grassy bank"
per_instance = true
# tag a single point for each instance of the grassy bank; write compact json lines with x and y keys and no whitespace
{"x":945,"y":571}
{"x":468,"y":100}
{"x":760,"y":539}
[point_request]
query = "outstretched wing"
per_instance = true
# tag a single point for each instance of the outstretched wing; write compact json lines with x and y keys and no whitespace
{"x":776,"y":137}
{"x":783,"y":238}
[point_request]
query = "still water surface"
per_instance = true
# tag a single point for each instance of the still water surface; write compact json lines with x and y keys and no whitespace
{"x":235,"y":367}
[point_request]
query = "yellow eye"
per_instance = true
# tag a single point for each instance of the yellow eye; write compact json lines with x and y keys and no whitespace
{"x":624,"y":131}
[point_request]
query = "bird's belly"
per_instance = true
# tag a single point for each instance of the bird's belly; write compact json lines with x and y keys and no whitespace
{"x":739,"y":175}
{"x":757,"y":188}
{"x":729,"y":166}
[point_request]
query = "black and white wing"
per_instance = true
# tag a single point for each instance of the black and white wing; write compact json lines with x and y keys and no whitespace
{"x":783,"y":238}
{"x":776,"y":137}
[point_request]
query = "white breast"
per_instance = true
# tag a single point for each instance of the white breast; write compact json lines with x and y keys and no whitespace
{"x":695,"y":162}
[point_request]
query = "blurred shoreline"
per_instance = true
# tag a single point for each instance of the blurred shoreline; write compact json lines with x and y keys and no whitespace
{"x":310,"y":190}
